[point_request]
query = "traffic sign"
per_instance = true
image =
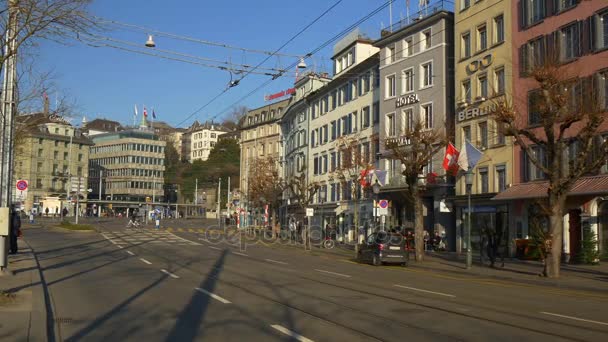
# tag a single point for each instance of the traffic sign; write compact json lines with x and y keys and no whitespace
{"x":21,"y":185}
{"x":310,"y":212}
{"x":383,"y":204}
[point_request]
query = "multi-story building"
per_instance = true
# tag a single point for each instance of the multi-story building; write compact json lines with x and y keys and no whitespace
{"x":343,"y":126}
{"x":99,"y":126}
{"x":575,"y":33}
{"x":199,"y":140}
{"x":260,"y":136}
{"x":417,"y":85}
{"x":52,"y":156}
{"x":131,"y":166}
{"x":484,"y":65}
{"x":295,"y":127}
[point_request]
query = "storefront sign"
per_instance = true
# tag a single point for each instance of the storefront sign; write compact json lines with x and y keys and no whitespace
{"x":280,"y":94}
{"x":480,"y":64}
{"x":407,"y":100}
{"x":471,"y":113}
{"x":399,"y":141}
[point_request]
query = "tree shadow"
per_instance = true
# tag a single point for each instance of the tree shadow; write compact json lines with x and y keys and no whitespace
{"x":188,"y":321}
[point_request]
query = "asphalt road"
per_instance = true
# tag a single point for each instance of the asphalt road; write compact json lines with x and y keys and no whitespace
{"x":145,"y":285}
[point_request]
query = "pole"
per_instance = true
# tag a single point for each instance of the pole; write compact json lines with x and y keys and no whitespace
{"x":99,"y":205}
{"x":228,"y":196}
{"x":469,"y":251}
{"x":78,"y":200}
{"x":390,"y":14}
{"x":219,"y":191}
{"x":8,"y":111}
{"x":196,"y":192}
{"x":69,"y":175}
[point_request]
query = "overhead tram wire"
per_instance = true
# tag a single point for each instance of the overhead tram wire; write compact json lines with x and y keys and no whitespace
{"x":259,"y":64}
{"x":322,"y":46}
{"x":190,"y":39}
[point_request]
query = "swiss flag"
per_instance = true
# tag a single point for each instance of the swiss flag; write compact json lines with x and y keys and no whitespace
{"x":145,"y":112}
{"x":450,"y":161}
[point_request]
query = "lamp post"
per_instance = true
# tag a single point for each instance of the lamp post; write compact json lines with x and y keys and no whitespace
{"x":376,"y":190}
{"x":468,"y":178}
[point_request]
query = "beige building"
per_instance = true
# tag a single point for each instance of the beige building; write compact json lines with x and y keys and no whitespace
{"x":131,"y":165}
{"x":52,"y":156}
{"x":260,"y":137}
{"x":483,"y":74}
{"x":198,"y":140}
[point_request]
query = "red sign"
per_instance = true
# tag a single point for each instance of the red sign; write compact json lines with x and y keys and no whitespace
{"x":21,"y":185}
{"x":280,"y":94}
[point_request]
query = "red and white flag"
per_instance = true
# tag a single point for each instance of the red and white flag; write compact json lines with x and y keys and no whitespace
{"x":450,"y":161}
{"x":145,"y":113}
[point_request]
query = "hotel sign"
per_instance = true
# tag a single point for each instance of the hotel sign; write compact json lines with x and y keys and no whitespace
{"x":480,"y":64}
{"x":471,"y":113}
{"x":407,"y":100}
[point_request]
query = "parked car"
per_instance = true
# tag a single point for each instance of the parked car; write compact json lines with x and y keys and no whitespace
{"x":383,"y":247}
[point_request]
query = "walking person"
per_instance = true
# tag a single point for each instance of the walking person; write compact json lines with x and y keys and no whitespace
{"x":492,"y":246}
{"x":292,"y":231}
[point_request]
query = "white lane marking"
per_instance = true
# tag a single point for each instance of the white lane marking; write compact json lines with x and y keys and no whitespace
{"x":214,"y":247}
{"x":169,"y":273}
{"x":214,"y":296}
{"x":241,"y":254}
{"x":131,"y":253}
{"x":334,"y":273}
{"x":278,"y":262}
{"x":119,"y":246}
{"x":186,"y":240}
{"x":146,"y":261}
{"x":574,"y":318}
{"x":291,"y":333}
{"x":421,"y":290}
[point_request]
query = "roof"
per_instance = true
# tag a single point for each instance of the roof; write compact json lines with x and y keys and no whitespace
{"x":592,"y":185}
{"x":104,"y":125}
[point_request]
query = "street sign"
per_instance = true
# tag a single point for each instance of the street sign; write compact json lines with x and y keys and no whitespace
{"x":310,"y":212}
{"x":383,"y":204}
{"x":21,"y":185}
{"x":382,"y":212}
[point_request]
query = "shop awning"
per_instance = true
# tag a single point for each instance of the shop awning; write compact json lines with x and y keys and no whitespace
{"x":594,"y":185}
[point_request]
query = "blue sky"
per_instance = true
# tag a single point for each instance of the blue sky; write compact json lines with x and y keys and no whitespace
{"x":106,"y":82}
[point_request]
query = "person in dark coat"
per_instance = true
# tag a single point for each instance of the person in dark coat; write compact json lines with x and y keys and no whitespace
{"x":15,"y":227}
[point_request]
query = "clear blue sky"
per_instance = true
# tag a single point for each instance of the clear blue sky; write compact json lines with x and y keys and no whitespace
{"x":106,"y":82}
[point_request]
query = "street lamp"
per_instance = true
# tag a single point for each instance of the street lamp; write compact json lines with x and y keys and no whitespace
{"x":468,"y":179}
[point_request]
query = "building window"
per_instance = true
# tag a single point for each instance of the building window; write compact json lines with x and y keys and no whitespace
{"x":482,"y":37}
{"x":500,"y":134}
{"x":408,"y":119}
{"x":365,"y":117}
{"x":532,"y":54}
{"x":600,"y":28}
{"x":534,"y":105}
{"x":483,"y":134}
{"x":483,"y":179}
{"x":531,"y":172}
{"x":427,"y":115}
{"x":464,"y":4}
{"x":466,"y":45}
{"x":391,"y":54}
{"x":427,"y":74}
{"x":501,"y":178}
{"x":376,"y":112}
{"x":499,"y":76}
{"x":426,"y":39}
{"x":483,"y":86}
{"x":408,"y":46}
{"x":39,"y":183}
{"x":565,"y":4}
{"x":391,"y":90}
{"x":65,"y":156}
{"x":40,"y":151}
{"x":533,"y":11}
{"x":602,"y":80}
{"x":499,"y":29}
{"x":466,"y":91}
{"x":390,"y":125}
{"x":466,"y":132}
{"x":408,"y":81}
{"x":570,"y":45}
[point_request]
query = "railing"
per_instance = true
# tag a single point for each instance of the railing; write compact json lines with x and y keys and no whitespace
{"x":427,"y":11}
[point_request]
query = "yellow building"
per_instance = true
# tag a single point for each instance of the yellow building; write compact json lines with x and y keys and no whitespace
{"x":483,"y":60}
{"x":52,"y":157}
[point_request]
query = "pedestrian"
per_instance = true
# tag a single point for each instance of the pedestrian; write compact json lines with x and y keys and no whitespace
{"x":292,"y":231}
{"x":65,"y":212}
{"x":14,"y":231}
{"x":426,"y":239}
{"x":46,"y":210}
{"x":492,"y":246}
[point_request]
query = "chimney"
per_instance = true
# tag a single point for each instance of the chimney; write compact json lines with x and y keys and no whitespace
{"x":46,"y":104}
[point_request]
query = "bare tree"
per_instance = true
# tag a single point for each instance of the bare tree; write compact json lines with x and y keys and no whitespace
{"x":302,"y":192}
{"x":354,"y":166}
{"x":563,"y":139}
{"x":233,"y":118}
{"x":420,"y":146}
{"x":265,"y":184}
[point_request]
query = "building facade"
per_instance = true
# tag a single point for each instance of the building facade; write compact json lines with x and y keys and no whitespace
{"x":52,"y":156}
{"x":343,"y":137}
{"x":199,"y":140}
{"x":131,"y":166}
{"x":417,"y":83}
{"x":575,"y":34}
{"x":260,"y":137}
{"x":484,"y":65}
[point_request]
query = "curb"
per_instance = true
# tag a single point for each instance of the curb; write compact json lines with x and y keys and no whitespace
{"x":39,"y":315}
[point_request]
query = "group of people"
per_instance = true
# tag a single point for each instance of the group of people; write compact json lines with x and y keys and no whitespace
{"x":433,"y":243}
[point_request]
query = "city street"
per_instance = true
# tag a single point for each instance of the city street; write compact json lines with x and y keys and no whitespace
{"x":144,"y":284}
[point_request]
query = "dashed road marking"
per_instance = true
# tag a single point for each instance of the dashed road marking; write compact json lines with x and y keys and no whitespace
{"x":214,"y":296}
{"x":276,"y":262}
{"x":241,"y":254}
{"x":131,"y":253}
{"x":426,"y":291}
{"x":146,"y":261}
{"x":573,"y":318}
{"x":291,"y":333}
{"x":169,"y":273}
{"x":215,"y":248}
{"x":334,"y":273}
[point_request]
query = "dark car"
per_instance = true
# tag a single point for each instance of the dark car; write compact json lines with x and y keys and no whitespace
{"x":383,"y":247}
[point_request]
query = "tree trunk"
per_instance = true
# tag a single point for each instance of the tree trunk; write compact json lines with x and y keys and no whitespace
{"x":418,"y":227}
{"x":556,"y":221}
{"x":356,"y":219}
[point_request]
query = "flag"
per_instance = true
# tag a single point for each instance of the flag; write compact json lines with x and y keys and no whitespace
{"x":364,"y":177}
{"x":469,"y":156}
{"x":135,"y":113}
{"x":381,"y":176}
{"x":423,"y":3}
{"x":153,"y":114}
{"x":145,"y":113}
{"x":450,"y":161}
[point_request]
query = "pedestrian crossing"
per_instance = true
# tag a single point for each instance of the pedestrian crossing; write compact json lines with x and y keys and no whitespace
{"x":135,"y":236}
